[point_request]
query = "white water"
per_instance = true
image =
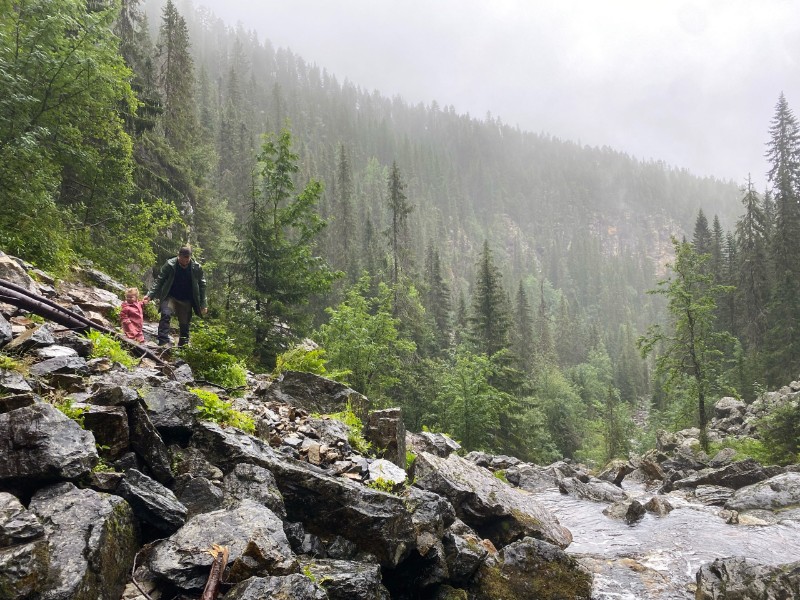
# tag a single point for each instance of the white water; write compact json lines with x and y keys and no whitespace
{"x":658,"y":557}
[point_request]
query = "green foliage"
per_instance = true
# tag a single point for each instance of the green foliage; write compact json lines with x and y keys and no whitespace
{"x":383,"y":485}
{"x":356,"y":429}
{"x":276,"y":265}
{"x":780,"y":432}
{"x":75,"y":413}
{"x":745,"y":448}
{"x":691,"y":353}
{"x":362,"y":337}
{"x":306,"y":360}
{"x":12,"y":364}
{"x":410,"y":458}
{"x":106,"y":346}
{"x":209,"y":358}
{"x":501,"y":475}
{"x":213,"y":408}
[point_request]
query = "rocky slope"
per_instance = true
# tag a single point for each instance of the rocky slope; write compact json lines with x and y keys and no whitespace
{"x":132,"y":501}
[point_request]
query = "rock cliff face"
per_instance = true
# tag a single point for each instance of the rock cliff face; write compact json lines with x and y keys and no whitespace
{"x":131,"y":494}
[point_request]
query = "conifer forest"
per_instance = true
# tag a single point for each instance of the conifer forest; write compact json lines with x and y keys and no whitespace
{"x":525,"y":294}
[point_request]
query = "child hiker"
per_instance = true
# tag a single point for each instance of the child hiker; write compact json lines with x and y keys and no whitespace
{"x":132,"y":315}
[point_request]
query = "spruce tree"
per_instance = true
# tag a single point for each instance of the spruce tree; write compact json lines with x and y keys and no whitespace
{"x":783,"y":153}
{"x":752,"y":282}
{"x":489,"y":321}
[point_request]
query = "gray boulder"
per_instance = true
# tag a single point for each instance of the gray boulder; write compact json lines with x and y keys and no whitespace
{"x":255,"y":483}
{"x":92,"y":540}
{"x":630,"y":511}
{"x":17,"y":524}
{"x":198,"y":494}
{"x":40,"y":443}
{"x":171,"y":408}
{"x":530,"y":478}
{"x":38,"y":337}
{"x":531,"y":568}
{"x":347,"y":580}
{"x":253,"y":534}
{"x":385,"y":429}
{"x":5,"y":331}
{"x":745,"y":579}
{"x":290,"y":587}
{"x":713,"y":495}
{"x":109,"y":426}
{"x":13,"y":382}
{"x":594,"y":489}
{"x":148,"y":444}
{"x":316,"y":394}
{"x":464,"y":551}
{"x":433,"y":443}
{"x":377,"y":522}
{"x":152,"y":503}
{"x":493,"y":508}
{"x":736,"y":475}
{"x":781,"y":491}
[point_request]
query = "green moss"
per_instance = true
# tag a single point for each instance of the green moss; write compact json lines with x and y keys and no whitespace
{"x":501,"y":475}
{"x":212,"y":408}
{"x":355,"y":435}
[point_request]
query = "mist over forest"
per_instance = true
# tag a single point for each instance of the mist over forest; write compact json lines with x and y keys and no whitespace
{"x":493,"y":282}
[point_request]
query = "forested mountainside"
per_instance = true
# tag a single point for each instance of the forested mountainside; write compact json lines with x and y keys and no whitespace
{"x":491,"y":281}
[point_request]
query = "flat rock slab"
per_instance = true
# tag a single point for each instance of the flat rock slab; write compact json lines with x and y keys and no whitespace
{"x":779,"y":492}
{"x":494,"y":509}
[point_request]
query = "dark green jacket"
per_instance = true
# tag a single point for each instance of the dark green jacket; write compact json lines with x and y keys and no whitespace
{"x":166,"y":276}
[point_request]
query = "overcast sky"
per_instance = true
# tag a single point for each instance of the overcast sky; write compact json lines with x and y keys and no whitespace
{"x":693,"y":83}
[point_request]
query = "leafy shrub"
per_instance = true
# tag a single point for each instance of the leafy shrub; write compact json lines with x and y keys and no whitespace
{"x":73,"y":412}
{"x":106,"y":346}
{"x":780,"y":432}
{"x":209,"y":358}
{"x":355,"y":435}
{"x":307,"y":360}
{"x":745,"y":448}
{"x":410,"y":458}
{"x":213,"y":408}
{"x":383,"y":485}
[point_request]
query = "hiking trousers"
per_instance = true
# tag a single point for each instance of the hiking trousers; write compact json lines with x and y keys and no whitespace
{"x":183,"y":310}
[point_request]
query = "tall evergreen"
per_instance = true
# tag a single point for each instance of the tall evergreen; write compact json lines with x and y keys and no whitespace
{"x":399,"y":209}
{"x":752,"y":283}
{"x":437,"y":298}
{"x":489,"y":319}
{"x":702,"y":238}
{"x":522,"y":335}
{"x":783,"y":153}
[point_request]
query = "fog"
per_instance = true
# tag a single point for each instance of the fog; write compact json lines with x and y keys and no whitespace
{"x":691,"y":83}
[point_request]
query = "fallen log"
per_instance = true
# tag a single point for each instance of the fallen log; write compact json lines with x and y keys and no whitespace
{"x":20,"y":297}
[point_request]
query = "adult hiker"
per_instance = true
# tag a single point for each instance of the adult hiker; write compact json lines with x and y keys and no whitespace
{"x":181,"y":288}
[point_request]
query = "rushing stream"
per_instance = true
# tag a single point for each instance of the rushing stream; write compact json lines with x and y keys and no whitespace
{"x":658,"y":557}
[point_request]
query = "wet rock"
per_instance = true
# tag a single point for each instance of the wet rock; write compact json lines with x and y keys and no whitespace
{"x":745,"y":579}
{"x":729,"y":407}
{"x":112,"y":394}
{"x":722,"y":458}
{"x":290,"y":587}
{"x":17,"y":524}
{"x":713,"y":495}
{"x":38,"y":337}
{"x":596,"y":490}
{"x":10,"y":270}
{"x":431,"y":514}
{"x":152,"y":503}
{"x":253,"y":534}
{"x":40,"y":443}
{"x":385,"y":429}
{"x":658,"y":505}
{"x":316,"y":394}
{"x":199,"y":495}
{"x":147,"y":443}
{"x":171,"y":408}
{"x":55,"y":351}
{"x":346,"y":580}
{"x":109,"y":425}
{"x":257,"y":484}
{"x":5,"y":331}
{"x":464,"y":551}
{"x":736,"y":475}
{"x":23,"y":570}
{"x":775,"y":493}
{"x":616,"y":471}
{"x":92,"y":540}
{"x":13,"y":382}
{"x":494,"y":509}
{"x":531,"y":568}
{"x":434,"y":443}
{"x":666,"y":441}
{"x":192,"y":462}
{"x":530,"y":478}
{"x":630,"y":511}
{"x":386,"y":471}
{"x":375,"y":521}
{"x":63,"y":364}
{"x":14,"y":401}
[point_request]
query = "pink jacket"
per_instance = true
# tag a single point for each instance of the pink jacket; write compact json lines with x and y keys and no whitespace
{"x":132,"y":317}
